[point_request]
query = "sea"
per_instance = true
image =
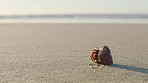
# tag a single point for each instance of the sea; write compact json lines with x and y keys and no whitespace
{"x":75,"y":18}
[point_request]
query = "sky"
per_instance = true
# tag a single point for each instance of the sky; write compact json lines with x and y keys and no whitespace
{"x":8,"y":7}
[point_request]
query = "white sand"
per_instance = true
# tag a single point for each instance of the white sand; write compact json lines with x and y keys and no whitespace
{"x":59,"y":53}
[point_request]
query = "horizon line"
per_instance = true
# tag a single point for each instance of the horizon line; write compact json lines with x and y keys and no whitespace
{"x":75,"y":16}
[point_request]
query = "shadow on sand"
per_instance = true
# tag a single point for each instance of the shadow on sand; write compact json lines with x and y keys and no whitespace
{"x":132,"y":68}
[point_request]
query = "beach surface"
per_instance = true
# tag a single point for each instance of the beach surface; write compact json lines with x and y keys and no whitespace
{"x":60,"y":53}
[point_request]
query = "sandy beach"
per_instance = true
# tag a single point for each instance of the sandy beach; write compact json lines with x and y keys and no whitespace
{"x":60,"y":53}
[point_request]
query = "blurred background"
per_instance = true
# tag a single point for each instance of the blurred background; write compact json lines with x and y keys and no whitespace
{"x":76,"y":11}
